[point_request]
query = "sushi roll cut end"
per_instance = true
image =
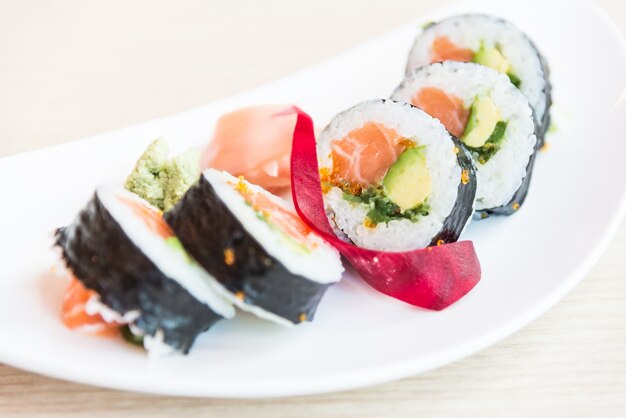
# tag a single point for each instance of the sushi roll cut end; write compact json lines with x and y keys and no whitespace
{"x":393,"y":179}
{"x":491,"y":118}
{"x":495,"y":43}
{"x":129,"y":273}
{"x":266,"y":259}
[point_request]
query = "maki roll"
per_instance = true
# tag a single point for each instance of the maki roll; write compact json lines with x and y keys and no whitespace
{"x":393,"y":179}
{"x":495,"y":43}
{"x":267,"y":261}
{"x":133,"y":273}
{"x":492,"y":119}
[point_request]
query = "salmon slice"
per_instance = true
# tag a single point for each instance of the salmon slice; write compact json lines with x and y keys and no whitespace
{"x":151,"y":217}
{"x":76,"y":317}
{"x":449,"y":109}
{"x":365,"y":154}
{"x":286,"y":220}
{"x":254,"y":142}
{"x":444,"y":50}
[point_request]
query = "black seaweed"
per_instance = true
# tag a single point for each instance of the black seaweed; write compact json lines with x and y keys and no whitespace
{"x":464,"y":205}
{"x":518,"y":198}
{"x":542,"y":126}
{"x":104,"y":259}
{"x":213,"y":235}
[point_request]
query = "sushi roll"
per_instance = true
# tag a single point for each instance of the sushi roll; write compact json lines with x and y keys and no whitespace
{"x":393,"y":179}
{"x":266,"y":259}
{"x":122,"y":252}
{"x":493,"y":120}
{"x":495,"y":43}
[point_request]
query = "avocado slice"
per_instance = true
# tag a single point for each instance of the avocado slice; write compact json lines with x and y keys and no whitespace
{"x":408,"y":182}
{"x":492,"y":58}
{"x":484,"y":116}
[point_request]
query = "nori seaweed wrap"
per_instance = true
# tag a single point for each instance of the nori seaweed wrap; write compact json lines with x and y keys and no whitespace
{"x":120,"y":248}
{"x":267,"y":260}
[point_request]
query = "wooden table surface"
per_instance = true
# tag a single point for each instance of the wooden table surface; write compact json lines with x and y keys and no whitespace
{"x":69,"y":69}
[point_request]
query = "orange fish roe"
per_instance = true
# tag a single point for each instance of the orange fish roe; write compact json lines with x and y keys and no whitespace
{"x":229,"y":256}
{"x":242,"y":187}
{"x":515,"y":206}
{"x":465,"y":177}
{"x":407,"y":143}
{"x":332,"y":179}
{"x":240,"y":295}
{"x":367,"y":222}
{"x":440,"y":242}
{"x":302,"y":317}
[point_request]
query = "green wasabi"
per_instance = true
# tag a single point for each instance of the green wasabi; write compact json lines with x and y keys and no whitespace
{"x":162,"y":181}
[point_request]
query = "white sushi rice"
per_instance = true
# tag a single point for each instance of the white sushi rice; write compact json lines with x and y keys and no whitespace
{"x":468,"y":31}
{"x":501,"y":176}
{"x":94,"y":306}
{"x":410,"y":123}
{"x":322,"y":264}
{"x":171,"y":262}
{"x":156,"y":345}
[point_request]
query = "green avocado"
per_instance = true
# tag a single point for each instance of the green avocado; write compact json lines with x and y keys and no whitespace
{"x":484,"y":116}
{"x":515,"y":80}
{"x":408,"y":182}
{"x":492,"y":58}
{"x":176,"y":246}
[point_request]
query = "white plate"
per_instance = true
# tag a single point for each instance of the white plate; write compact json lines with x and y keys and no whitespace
{"x":359,"y":337}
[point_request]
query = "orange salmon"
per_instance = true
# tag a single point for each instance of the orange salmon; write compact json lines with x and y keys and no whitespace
{"x":365,"y":154}
{"x":75,"y":316}
{"x":286,"y":220}
{"x":151,"y":217}
{"x":448,"y":108}
{"x":444,"y":50}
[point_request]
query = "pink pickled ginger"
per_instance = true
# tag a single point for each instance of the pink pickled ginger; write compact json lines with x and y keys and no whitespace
{"x":254,"y":142}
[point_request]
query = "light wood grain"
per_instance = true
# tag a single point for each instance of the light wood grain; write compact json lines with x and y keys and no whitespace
{"x":72,"y":68}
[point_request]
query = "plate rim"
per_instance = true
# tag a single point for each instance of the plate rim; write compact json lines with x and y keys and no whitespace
{"x":346,"y":380}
